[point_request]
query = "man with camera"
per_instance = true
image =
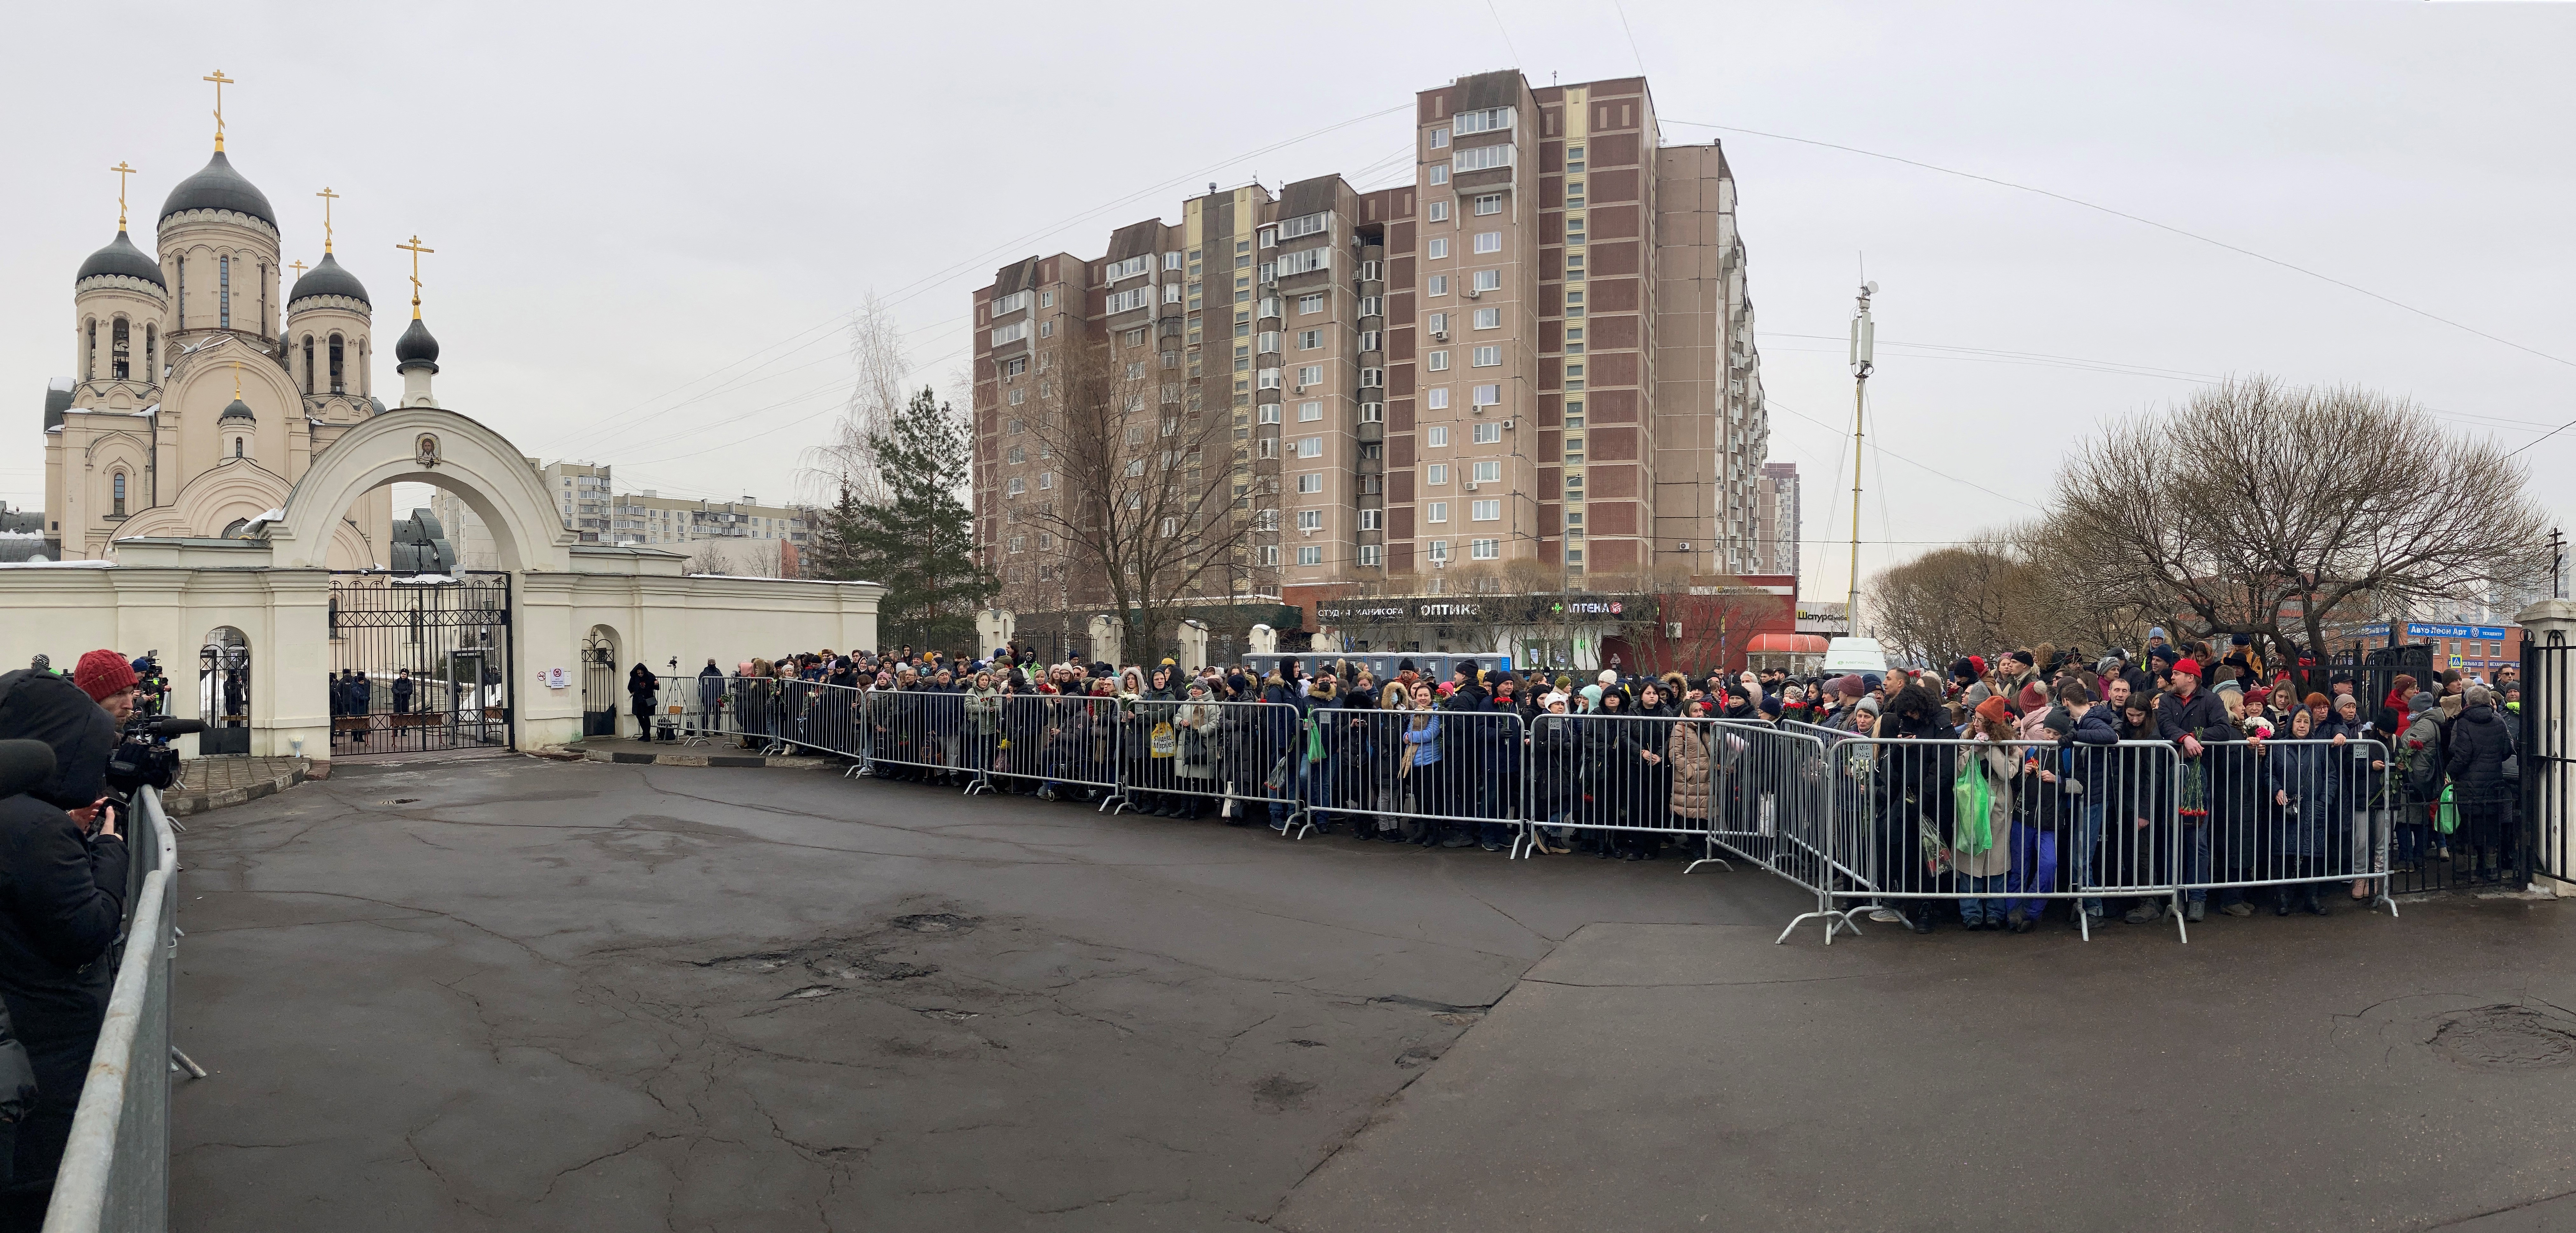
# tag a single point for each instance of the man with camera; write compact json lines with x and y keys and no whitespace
{"x":62,"y":900}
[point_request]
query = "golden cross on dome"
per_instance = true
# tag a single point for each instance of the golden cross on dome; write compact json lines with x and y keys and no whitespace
{"x":121,"y":171}
{"x":220,"y":82}
{"x":298,"y":266}
{"x":415,"y":249}
{"x":327,"y":197}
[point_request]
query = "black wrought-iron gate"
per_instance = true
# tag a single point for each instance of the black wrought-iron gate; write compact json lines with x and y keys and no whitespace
{"x":419,"y":662}
{"x":598,"y":686}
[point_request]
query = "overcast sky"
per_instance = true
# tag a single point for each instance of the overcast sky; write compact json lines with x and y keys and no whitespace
{"x":652,"y":221}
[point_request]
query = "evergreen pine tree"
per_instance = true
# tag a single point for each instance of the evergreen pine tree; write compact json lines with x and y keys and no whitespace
{"x":919,"y":541}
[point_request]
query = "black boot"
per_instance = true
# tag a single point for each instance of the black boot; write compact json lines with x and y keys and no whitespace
{"x":2281,"y":902}
{"x":2316,"y":903}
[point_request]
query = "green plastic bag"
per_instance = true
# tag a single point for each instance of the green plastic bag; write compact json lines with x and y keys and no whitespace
{"x":2446,"y":816}
{"x":1314,"y":741}
{"x":1976,"y":802}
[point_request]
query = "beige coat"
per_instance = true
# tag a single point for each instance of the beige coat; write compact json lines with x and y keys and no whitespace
{"x":1687,"y":754}
{"x":2000,"y":770}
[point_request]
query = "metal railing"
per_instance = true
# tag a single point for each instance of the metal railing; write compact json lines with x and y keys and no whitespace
{"x":1867,"y":825}
{"x":115,"y":1174}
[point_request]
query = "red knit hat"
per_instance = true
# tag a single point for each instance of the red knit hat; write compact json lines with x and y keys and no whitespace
{"x":102,"y":673}
{"x":1978,"y":662}
{"x":2187,"y":667}
{"x":1996,"y":710}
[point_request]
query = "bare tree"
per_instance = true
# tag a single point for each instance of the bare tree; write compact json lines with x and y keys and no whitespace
{"x":2263,"y":510}
{"x":708,"y":556}
{"x":879,"y":391}
{"x":1137,"y":506}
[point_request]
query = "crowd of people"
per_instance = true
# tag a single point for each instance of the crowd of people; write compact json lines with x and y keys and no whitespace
{"x":2274,"y":789}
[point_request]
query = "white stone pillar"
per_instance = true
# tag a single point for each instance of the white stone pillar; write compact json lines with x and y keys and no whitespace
{"x":1104,"y":640}
{"x":1194,"y":644}
{"x":2551,"y":623}
{"x":1262,"y":640}
{"x":993,"y":630}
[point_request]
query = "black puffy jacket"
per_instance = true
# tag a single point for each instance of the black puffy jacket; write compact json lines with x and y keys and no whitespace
{"x":62,"y":901}
{"x":2481,"y":740}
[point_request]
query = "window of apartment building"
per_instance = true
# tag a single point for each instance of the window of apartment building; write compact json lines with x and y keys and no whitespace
{"x":1270,"y":554}
{"x":1311,"y":481}
{"x":1171,"y":261}
{"x":1574,"y":229}
{"x":1370,"y":555}
{"x":1046,"y":480}
{"x":1006,"y":334}
{"x":1370,"y":519}
{"x":1573,"y":303}
{"x":1437,"y":249}
{"x":1574,"y":340}
{"x":1135,"y":467}
{"x":1484,"y":549}
{"x":1310,"y":447}
{"x":1265,"y":520}
{"x":1484,"y":121}
{"x":1439,"y":211}
{"x":1372,"y":413}
{"x":1310,"y":519}
{"x":1574,"y":267}
{"x":1489,"y":241}
{"x":1019,"y":543}
{"x":1435,"y":474}
{"x":1487,"y":473}
{"x":1439,"y":550}
{"x":1489,"y":434}
{"x":1019,"y":396}
{"x":1435,"y":361}
{"x":1171,"y":359}
{"x":1436,"y":398}
{"x":1268,"y":412}
{"x":1486,"y":357}
{"x":1128,"y":300}
{"x":1573,"y":448}
{"x":1574,"y":376}
{"x":1489,"y":280}
{"x":1016,"y":486}
{"x":1305,"y":260}
{"x":1046,"y":329}
{"x":1171,"y":293}
{"x":1437,"y":284}
{"x":1311,"y":555}
{"x":1573,"y":158}
{"x":1489,"y":203}
{"x":1574,"y":526}
{"x":1439,"y":173}
{"x":1489,"y":318}
{"x":1309,"y":412}
{"x":1440,"y":138}
{"x":1436,"y":436}
{"x":1372,"y":340}
{"x":1310,"y":340}
{"x":1269,"y":341}
{"x":1574,"y":194}
{"x":1573,"y":485}
{"x":1016,"y":456}
{"x":1482,"y":158}
{"x":1309,"y":375}
{"x":1270,"y":306}
{"x":1436,"y":511}
{"x":1120,"y":270}
{"x":1309,"y":304}
{"x":1486,"y":396}
{"x":1437,"y":323}
{"x":1266,"y":379}
{"x":1266,"y":447}
{"x":1046,"y":299}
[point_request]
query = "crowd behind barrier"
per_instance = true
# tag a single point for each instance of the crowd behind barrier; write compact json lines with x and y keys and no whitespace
{"x":2124,"y":789}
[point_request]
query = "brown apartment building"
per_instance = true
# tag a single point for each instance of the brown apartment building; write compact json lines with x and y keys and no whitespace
{"x":1539,"y":349}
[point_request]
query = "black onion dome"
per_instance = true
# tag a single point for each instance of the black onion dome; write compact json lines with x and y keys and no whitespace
{"x":121,"y":258}
{"x":416,"y":346}
{"x":239,"y":410}
{"x":329,"y":278}
{"x":219,"y":187}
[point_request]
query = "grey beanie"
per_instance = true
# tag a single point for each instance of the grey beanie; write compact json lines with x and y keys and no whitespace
{"x":2420,"y":702}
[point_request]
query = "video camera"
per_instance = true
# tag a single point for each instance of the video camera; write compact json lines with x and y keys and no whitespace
{"x":144,"y":756}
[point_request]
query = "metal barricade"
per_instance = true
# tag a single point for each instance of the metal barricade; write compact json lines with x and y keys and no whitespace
{"x":2295,"y":817}
{"x":115,"y":1174}
{"x":1433,"y":776}
{"x":1998,"y":830}
{"x":1247,"y":756}
{"x":918,"y":734}
{"x":1045,"y":743}
{"x":1634,"y":779}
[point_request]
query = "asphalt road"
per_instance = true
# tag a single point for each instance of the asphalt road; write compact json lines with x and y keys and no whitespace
{"x":529,"y":995}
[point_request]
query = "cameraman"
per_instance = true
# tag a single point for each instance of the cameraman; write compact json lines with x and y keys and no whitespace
{"x":62,"y":902}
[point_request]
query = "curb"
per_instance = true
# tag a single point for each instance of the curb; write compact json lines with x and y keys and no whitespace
{"x":194,"y":803}
{"x":622,"y":758}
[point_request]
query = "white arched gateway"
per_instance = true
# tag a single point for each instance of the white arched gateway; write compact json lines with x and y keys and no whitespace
{"x":270,"y":581}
